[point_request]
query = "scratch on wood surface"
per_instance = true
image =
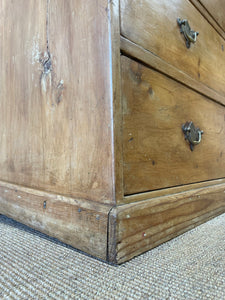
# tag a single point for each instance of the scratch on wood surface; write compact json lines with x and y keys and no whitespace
{"x":46,"y":79}
{"x":60,"y":88}
{"x":35,"y":57}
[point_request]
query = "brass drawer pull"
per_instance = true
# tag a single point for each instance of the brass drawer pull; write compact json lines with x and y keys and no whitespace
{"x":190,"y":35}
{"x":192,"y":134}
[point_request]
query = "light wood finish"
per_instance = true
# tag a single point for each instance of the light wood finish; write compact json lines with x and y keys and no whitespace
{"x":144,"y":225}
{"x":216,"y":9}
{"x":82,"y":224}
{"x":152,"y":25}
{"x":56,"y":116}
{"x":207,"y":15}
{"x":155,"y":152}
{"x":131,"y":49}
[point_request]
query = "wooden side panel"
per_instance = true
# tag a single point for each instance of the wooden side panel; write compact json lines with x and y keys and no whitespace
{"x":56,"y":98}
{"x":23,"y":43}
{"x":80,"y":223}
{"x":156,"y":154}
{"x":146,"y":224}
{"x":217,"y":9}
{"x":153,"y":25}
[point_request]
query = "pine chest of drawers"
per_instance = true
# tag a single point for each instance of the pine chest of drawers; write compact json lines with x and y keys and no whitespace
{"x":112,"y":120}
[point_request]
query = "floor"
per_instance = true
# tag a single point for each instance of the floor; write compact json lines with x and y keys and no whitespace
{"x":34,"y":266}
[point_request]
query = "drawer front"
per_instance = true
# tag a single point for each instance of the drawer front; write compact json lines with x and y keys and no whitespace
{"x":153,"y":25}
{"x":155,"y":152}
{"x":217,"y":9}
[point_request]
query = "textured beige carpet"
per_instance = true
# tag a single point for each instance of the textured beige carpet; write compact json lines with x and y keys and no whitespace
{"x":34,"y":266}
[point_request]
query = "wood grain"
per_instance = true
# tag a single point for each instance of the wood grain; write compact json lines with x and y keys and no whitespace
{"x":56,"y":101}
{"x":23,"y":40}
{"x":153,"y":26}
{"x":217,"y":9}
{"x":80,"y":223}
{"x":208,"y":16}
{"x":146,"y":224}
{"x":156,"y":155}
{"x":133,"y":50}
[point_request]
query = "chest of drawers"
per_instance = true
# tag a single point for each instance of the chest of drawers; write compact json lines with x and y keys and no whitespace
{"x":112,"y":120}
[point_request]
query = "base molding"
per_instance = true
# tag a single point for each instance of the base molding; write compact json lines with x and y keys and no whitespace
{"x":79,"y":223}
{"x":143,"y":225}
{"x":115,"y":234}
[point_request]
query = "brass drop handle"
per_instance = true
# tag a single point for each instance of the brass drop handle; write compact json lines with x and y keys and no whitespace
{"x":192,"y":134}
{"x":189,"y":35}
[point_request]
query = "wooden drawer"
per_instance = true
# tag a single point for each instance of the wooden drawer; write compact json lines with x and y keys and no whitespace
{"x":153,"y":25}
{"x":156,"y":154}
{"x":216,"y":9}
